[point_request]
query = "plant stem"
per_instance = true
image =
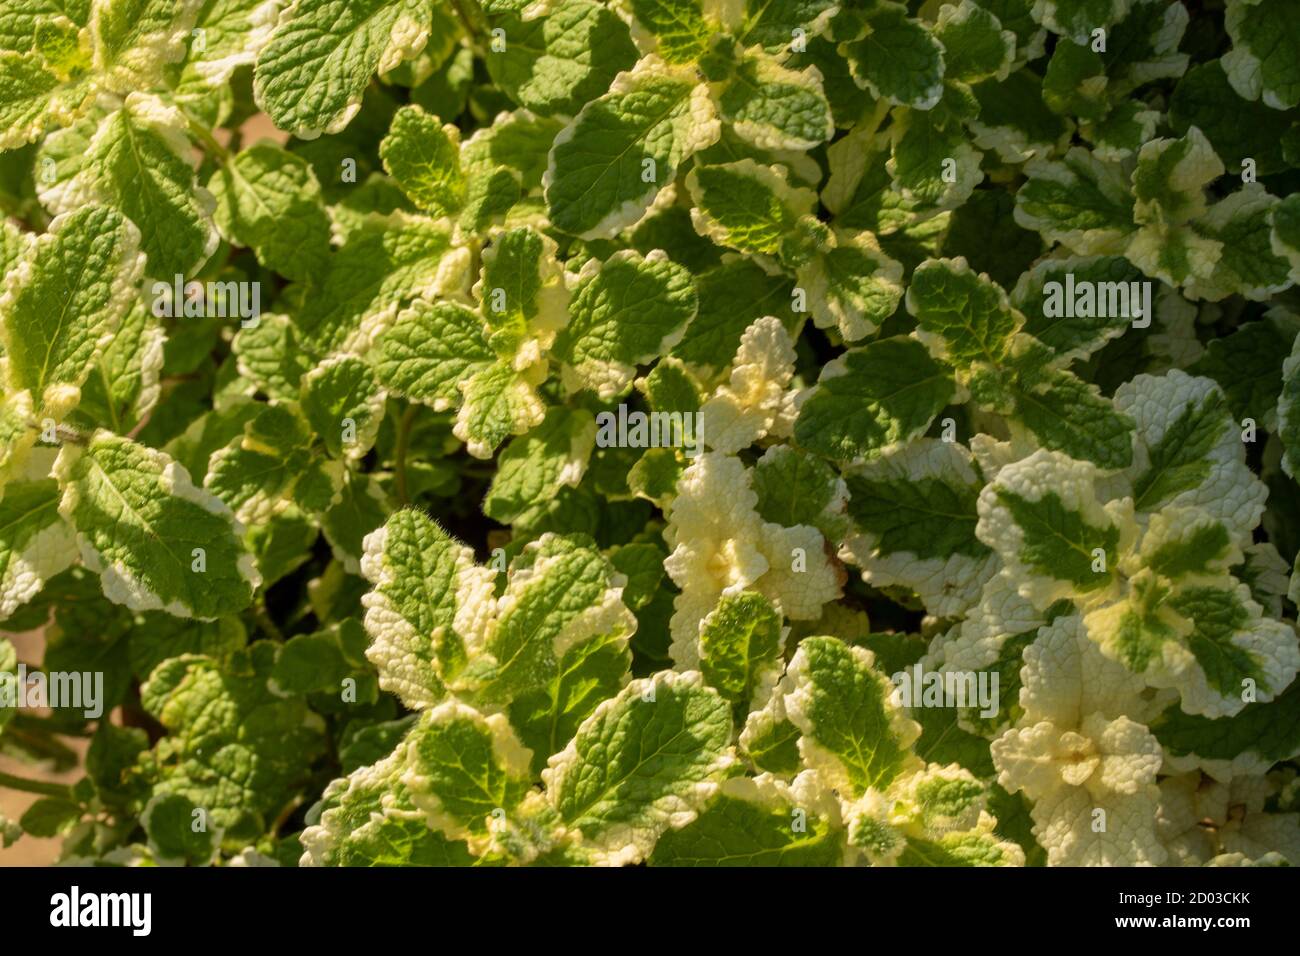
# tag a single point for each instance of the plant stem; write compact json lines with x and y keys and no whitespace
{"x":877,"y":117}
{"x":403,"y":445}
{"x":206,"y":139}
{"x":42,"y":725}
{"x":264,"y":621}
{"x":465,"y":21}
{"x":42,"y":744}
{"x":44,"y":788}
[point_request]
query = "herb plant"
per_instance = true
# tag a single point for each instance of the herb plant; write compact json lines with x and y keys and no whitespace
{"x":668,"y":432}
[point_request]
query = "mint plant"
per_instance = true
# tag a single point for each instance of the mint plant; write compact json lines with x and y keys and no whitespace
{"x":654,"y":432}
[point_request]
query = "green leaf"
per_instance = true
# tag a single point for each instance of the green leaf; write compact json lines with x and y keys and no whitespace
{"x":463,"y":767}
{"x":1170,"y":178}
{"x":608,"y":165}
{"x":731,"y":297}
{"x":1218,"y":619}
{"x":369,"y":819}
{"x":771,"y":25}
{"x":975,"y":46}
{"x":233,"y":33}
{"x":963,"y":317}
{"x":49,"y":817}
{"x":558,"y":63}
{"x":796,"y":488}
{"x":535,"y":465}
{"x":679,"y":30}
{"x":1235,"y":127}
{"x":233,"y":747}
{"x":1076,"y":19}
{"x":386,"y":263}
{"x":852,"y":732}
{"x":14,"y":245}
{"x":643,"y":761}
{"x":423,"y":156}
{"x":897,"y":59}
{"x":429,"y":350}
{"x":1078,"y":201}
{"x":343,"y":405}
{"x":268,"y":199}
{"x":271,"y":355}
{"x":138,"y":162}
{"x":746,"y":206}
{"x":741,"y":641}
{"x":133,"y":39}
{"x":956,"y":849}
{"x":625,"y":312}
{"x":416,"y":570}
{"x":642,"y":563}
{"x":932,"y":165}
{"x":27,"y":92}
{"x":359,"y":508}
{"x":498,"y":402}
{"x":775,"y":107}
{"x":872,"y":399}
{"x":1067,"y":414}
{"x":943,"y":741}
{"x":754,"y":822}
{"x":852,"y":286}
{"x":1258,"y":737}
{"x":1248,"y":265}
{"x":521,"y":291}
{"x":1265,"y":52}
{"x":1014,"y":120}
{"x":311,"y":74}
{"x":35,"y":542}
{"x":588,"y":673}
{"x":916,"y":512}
{"x":63,"y":303}
{"x":1084,"y":301}
{"x":1193,"y":454}
{"x":112,"y":754}
{"x":157,"y":541}
{"x":283,"y":544}
{"x":561,"y":591}
{"x":166,"y":637}
{"x":175,"y":833}
{"x":1288,"y":412}
{"x":123,"y":386}
{"x":1247,"y":364}
{"x":256,"y":474}
{"x":670,"y":387}
{"x":1042,"y":515}
{"x":655,"y":475}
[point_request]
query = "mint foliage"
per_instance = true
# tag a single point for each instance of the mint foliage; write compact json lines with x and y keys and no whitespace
{"x":653,"y":432}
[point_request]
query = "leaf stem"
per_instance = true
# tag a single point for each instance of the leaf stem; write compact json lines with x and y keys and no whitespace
{"x":877,"y":117}
{"x":465,"y":21}
{"x":263,"y":619}
{"x":62,"y":433}
{"x":43,"y":725}
{"x":399,"y":454}
{"x":42,"y":744}
{"x":207,"y":140}
{"x":42,"y":787}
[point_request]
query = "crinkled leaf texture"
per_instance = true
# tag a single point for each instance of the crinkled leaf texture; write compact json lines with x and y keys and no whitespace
{"x":654,"y":432}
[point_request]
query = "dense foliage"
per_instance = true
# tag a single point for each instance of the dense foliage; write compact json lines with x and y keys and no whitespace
{"x":556,"y":444}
